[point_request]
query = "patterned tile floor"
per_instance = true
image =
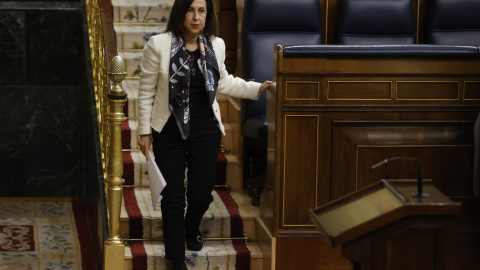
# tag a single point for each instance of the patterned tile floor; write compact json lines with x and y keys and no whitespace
{"x":44,"y":234}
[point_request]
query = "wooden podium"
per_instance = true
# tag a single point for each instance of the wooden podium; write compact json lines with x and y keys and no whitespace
{"x":382,"y":226}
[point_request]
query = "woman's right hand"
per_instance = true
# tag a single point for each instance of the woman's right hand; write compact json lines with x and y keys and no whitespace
{"x":144,"y":143}
{"x":264,"y":86}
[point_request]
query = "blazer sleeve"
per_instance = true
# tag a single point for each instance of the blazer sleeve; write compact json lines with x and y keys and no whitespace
{"x":150,"y":68}
{"x":230,"y":85}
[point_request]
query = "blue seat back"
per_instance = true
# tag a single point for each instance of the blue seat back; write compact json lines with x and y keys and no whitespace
{"x":267,"y":22}
{"x":376,"y":22}
{"x":455,"y":22}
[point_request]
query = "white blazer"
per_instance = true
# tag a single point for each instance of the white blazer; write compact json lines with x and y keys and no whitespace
{"x":153,"y":109}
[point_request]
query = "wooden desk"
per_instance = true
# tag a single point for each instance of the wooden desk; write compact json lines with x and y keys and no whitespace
{"x":331,"y":117}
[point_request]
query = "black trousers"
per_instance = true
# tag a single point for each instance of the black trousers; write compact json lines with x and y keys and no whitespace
{"x":172,"y":154}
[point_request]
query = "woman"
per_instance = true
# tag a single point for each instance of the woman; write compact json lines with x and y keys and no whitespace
{"x":182,"y":70}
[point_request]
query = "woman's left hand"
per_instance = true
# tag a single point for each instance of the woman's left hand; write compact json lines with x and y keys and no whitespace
{"x":264,"y":86}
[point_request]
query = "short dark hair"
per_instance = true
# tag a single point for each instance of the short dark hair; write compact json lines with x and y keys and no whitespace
{"x":178,"y":13}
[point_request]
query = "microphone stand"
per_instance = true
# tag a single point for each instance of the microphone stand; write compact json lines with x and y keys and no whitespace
{"x":419,"y":193}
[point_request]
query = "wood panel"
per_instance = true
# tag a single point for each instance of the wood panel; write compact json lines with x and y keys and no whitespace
{"x":378,"y":88}
{"x":227,"y":22}
{"x":369,"y":67}
{"x":301,"y":90}
{"x":468,"y":233}
{"x":428,"y":90}
{"x":331,"y":9}
{"x":472,"y":91}
{"x":297,"y":253}
{"x":445,"y":150}
{"x":358,"y":112}
{"x":420,"y":255}
{"x":421,"y":243}
{"x":415,"y":241}
{"x":359,"y":90}
{"x":300,"y":137}
{"x":300,"y":252}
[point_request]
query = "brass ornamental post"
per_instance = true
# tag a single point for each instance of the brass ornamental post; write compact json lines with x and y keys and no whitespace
{"x":109,"y":104}
{"x":114,"y":247}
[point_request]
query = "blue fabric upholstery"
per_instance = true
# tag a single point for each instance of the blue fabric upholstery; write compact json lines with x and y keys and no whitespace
{"x":383,"y":51}
{"x":265,"y":23}
{"x":454,"y":22}
{"x":256,"y":127}
{"x":376,"y":22}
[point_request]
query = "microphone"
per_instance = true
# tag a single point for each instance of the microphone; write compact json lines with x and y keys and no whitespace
{"x":419,"y":193}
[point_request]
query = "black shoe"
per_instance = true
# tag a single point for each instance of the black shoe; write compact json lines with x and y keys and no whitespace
{"x":194,"y":241}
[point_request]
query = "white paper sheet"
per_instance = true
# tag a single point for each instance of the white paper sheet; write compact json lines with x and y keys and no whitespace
{"x":157,"y":182}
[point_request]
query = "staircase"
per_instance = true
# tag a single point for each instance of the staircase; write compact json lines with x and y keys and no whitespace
{"x":231,"y":215}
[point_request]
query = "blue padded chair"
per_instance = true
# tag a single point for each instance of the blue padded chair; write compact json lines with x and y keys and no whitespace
{"x":363,"y":22}
{"x":265,"y":23}
{"x":453,"y":22}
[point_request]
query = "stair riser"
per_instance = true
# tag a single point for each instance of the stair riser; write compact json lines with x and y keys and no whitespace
{"x":133,"y":60}
{"x":129,"y":135}
{"x":235,"y":175}
{"x":218,"y":221}
{"x":135,"y":38}
{"x":131,"y":88}
{"x":248,"y":227}
{"x":234,"y":119}
{"x":133,"y":41}
{"x":215,"y":255}
{"x":158,"y":13}
{"x":133,"y":67}
{"x":135,"y":169}
{"x":255,"y":264}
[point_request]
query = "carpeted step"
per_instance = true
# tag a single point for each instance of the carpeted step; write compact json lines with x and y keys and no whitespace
{"x":130,"y":86}
{"x":135,"y":171}
{"x":226,"y":254}
{"x":132,"y":59}
{"x":145,"y":11}
{"x":224,"y":218}
{"x":132,"y":37}
{"x":129,"y":134}
{"x":135,"y":22}
{"x":234,"y":172}
{"x":216,"y":255}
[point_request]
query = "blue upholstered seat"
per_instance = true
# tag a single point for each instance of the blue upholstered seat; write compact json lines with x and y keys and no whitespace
{"x":376,"y":22}
{"x":455,"y":22}
{"x":265,"y":23}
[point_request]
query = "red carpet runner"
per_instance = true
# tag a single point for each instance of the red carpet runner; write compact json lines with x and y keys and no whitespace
{"x":140,"y":253}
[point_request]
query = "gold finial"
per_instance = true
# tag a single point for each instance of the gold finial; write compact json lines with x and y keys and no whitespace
{"x":117,"y":73}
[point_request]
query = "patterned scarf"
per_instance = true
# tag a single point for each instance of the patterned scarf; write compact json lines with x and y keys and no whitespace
{"x":179,"y":82}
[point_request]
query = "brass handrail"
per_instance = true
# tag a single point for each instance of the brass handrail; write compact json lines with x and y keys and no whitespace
{"x":99,"y":70}
{"x":110,"y":117}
